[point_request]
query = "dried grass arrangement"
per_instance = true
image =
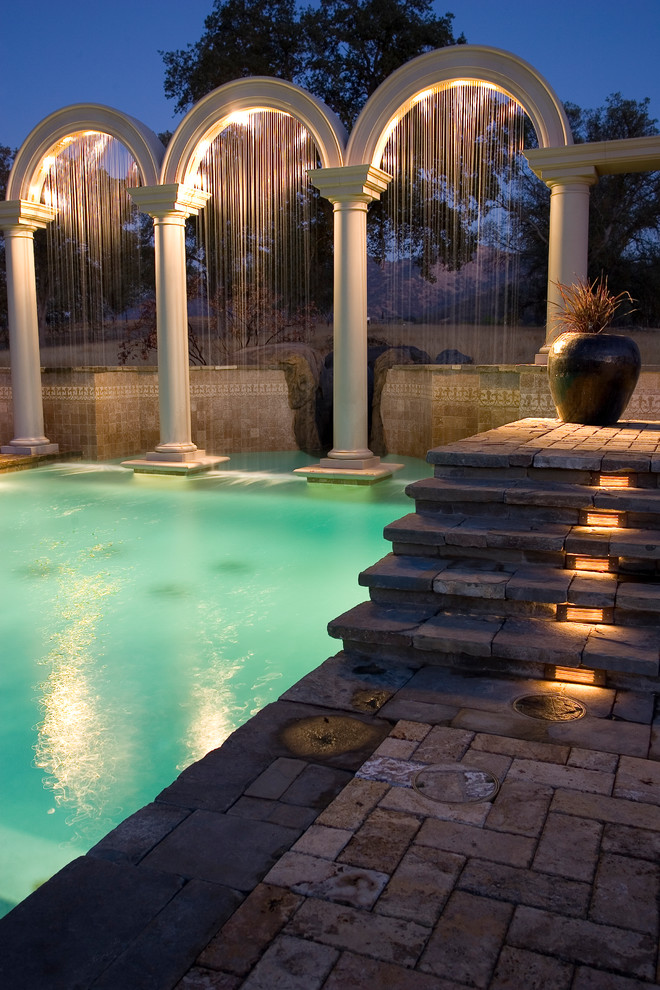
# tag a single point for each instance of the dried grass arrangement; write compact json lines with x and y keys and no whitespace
{"x":588,"y":307}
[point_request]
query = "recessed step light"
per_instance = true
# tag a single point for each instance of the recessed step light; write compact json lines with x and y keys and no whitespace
{"x":602,"y":518}
{"x":578,"y":675}
{"x":615,"y":481}
{"x":581,"y":613}
{"x":603,"y":565}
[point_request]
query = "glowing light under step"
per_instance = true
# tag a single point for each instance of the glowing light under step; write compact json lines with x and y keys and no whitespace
{"x":603,"y":565}
{"x":580,"y":613}
{"x":614,"y":481}
{"x":576,"y":675}
{"x":602,"y":519}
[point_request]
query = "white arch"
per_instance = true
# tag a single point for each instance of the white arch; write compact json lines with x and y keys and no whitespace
{"x":445,"y":65}
{"x":25,"y":180}
{"x":259,"y":92}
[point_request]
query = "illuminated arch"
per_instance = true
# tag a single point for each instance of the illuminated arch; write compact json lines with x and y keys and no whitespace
{"x":478,"y":63}
{"x":208,"y":117}
{"x":27,"y":176}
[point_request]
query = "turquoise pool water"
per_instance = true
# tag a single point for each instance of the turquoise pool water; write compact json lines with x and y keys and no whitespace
{"x":145,"y":618}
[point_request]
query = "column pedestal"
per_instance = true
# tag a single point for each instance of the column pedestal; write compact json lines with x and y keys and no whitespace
{"x":23,"y":448}
{"x":152,"y":463}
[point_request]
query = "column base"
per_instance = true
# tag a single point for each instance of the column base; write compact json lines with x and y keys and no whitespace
{"x":350,"y":463}
{"x":27,"y":449}
{"x":175,"y":455}
{"x":542,"y":356}
{"x":174,"y":462}
{"x":360,"y":471}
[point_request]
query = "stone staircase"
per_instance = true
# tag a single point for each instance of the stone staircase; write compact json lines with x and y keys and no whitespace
{"x":534,"y":551}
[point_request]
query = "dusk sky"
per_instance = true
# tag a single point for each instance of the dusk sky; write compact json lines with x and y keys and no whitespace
{"x":75,"y":52}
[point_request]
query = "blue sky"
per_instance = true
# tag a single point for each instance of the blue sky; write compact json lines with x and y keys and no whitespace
{"x":80,"y":51}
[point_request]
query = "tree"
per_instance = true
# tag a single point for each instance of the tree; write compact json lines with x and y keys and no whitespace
{"x":340,"y":51}
{"x":241,"y":38}
{"x":352,"y":46}
{"x":6,"y":161}
{"x":624,"y":214}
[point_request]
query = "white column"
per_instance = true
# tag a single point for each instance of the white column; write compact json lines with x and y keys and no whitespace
{"x":569,"y":238}
{"x":19,"y":219}
{"x":350,"y":189}
{"x":170,"y":206}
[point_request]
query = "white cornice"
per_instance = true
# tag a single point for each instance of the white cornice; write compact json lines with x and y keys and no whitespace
{"x":606,"y":157}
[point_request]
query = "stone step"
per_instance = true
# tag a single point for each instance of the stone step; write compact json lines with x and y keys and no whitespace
{"x":482,"y":585}
{"x":493,"y":581}
{"x":640,"y":544}
{"x":482,"y":574}
{"x":543,"y":445}
{"x":473,"y":606}
{"x":504,"y":642}
{"x":476,"y":532}
{"x":639,"y":597}
{"x":438,"y":494}
{"x":432,"y":531}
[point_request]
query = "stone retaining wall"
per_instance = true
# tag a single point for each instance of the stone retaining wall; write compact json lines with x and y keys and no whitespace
{"x":424,"y":406}
{"x":109,"y":413}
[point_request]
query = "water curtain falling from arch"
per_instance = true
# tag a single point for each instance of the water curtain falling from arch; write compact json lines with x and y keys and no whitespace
{"x":97,"y":271}
{"x":349,"y":174}
{"x":257,"y":275}
{"x":444,"y":234}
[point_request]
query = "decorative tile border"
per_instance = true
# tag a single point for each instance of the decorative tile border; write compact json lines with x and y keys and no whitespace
{"x":133,"y":390}
{"x":402,"y":389}
{"x":499,"y":397}
{"x":456,"y":393}
{"x":69,"y":393}
{"x":220,"y":389}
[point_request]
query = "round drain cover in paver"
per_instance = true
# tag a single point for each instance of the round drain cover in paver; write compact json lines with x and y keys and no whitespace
{"x":453,"y":784}
{"x":550,"y":707}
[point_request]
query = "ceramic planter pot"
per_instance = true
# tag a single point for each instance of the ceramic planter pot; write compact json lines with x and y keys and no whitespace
{"x":592,"y":376}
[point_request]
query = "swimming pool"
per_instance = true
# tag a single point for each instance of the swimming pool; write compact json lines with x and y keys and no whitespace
{"x":145,"y":618}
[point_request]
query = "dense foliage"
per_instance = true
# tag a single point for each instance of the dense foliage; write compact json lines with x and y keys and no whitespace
{"x":6,"y":159}
{"x":624,"y":215}
{"x":341,"y":50}
{"x":241,"y":38}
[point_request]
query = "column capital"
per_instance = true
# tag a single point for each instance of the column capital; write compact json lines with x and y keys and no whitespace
{"x":350,"y":183}
{"x":577,"y":178}
{"x":24,"y":214}
{"x":557,"y":176}
{"x":173,"y":198}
